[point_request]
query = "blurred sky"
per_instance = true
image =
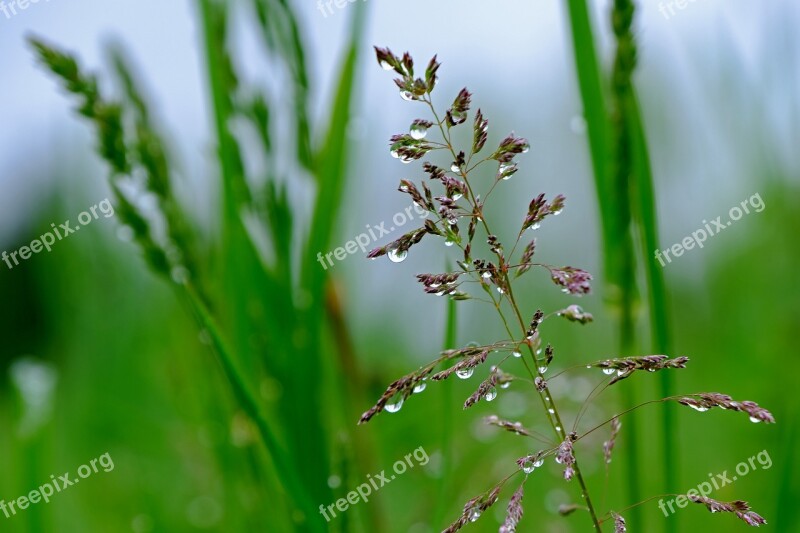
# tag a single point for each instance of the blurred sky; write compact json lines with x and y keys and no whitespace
{"x":718,"y":81}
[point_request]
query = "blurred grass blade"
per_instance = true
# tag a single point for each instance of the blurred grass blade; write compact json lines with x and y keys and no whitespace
{"x":598,"y":127}
{"x":446,"y":387}
{"x":281,"y":34}
{"x":647,"y":223}
{"x":330,"y":164}
{"x":615,"y":217}
{"x":247,"y":400}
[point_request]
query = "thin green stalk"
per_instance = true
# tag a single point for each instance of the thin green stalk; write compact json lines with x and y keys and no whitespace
{"x":554,"y":417}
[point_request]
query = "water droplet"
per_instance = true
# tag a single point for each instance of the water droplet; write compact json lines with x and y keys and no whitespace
{"x":558,"y":459}
{"x":404,"y":188}
{"x":180,"y":275}
{"x":465,"y":373}
{"x":556,"y":212}
{"x":500,"y":290}
{"x":455,"y":168}
{"x":474,"y":514}
{"x":385,"y":65}
{"x":507,"y":170}
{"x":536,"y":226}
{"x":394,"y":403}
{"x":538,"y":463}
{"x":449,"y":242}
{"x":558,"y":428}
{"x":578,"y":125}
{"x":699,"y":408}
{"x":505,"y":384}
{"x":528,"y":467}
{"x":516,"y":354}
{"x":125,"y":233}
{"x":542,"y":369}
{"x":395,"y":154}
{"x":420,"y":386}
{"x":396,"y":256}
{"x":547,"y":398}
{"x":456,"y":196}
{"x":490,"y":395}
{"x":526,"y":148}
{"x":418,"y":131}
{"x":754,"y":420}
{"x":588,"y":366}
{"x":405,"y":95}
{"x":205,"y":337}
{"x":607,"y":371}
{"x":551,"y":411}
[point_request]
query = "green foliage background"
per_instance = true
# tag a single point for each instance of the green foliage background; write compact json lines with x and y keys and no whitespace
{"x":159,"y":374}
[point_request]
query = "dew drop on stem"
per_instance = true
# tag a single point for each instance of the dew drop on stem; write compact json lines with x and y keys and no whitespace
{"x":396,"y":256}
{"x":394,"y":403}
{"x":418,"y":131}
{"x":465,"y":373}
{"x":490,"y":395}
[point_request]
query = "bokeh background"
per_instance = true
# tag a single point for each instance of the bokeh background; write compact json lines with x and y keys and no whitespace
{"x":99,"y":355}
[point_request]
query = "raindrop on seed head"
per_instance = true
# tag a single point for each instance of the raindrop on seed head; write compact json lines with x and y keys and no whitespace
{"x":394,"y":403}
{"x":465,"y":373}
{"x":490,"y":395}
{"x":528,"y":466}
{"x":418,"y":131}
{"x":396,"y":256}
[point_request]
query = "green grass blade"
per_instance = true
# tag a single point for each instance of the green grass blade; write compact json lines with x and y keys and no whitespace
{"x":331,"y":160}
{"x":615,"y":218}
{"x":247,"y":400}
{"x":647,"y":223}
{"x":595,"y":112}
{"x":446,"y":387}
